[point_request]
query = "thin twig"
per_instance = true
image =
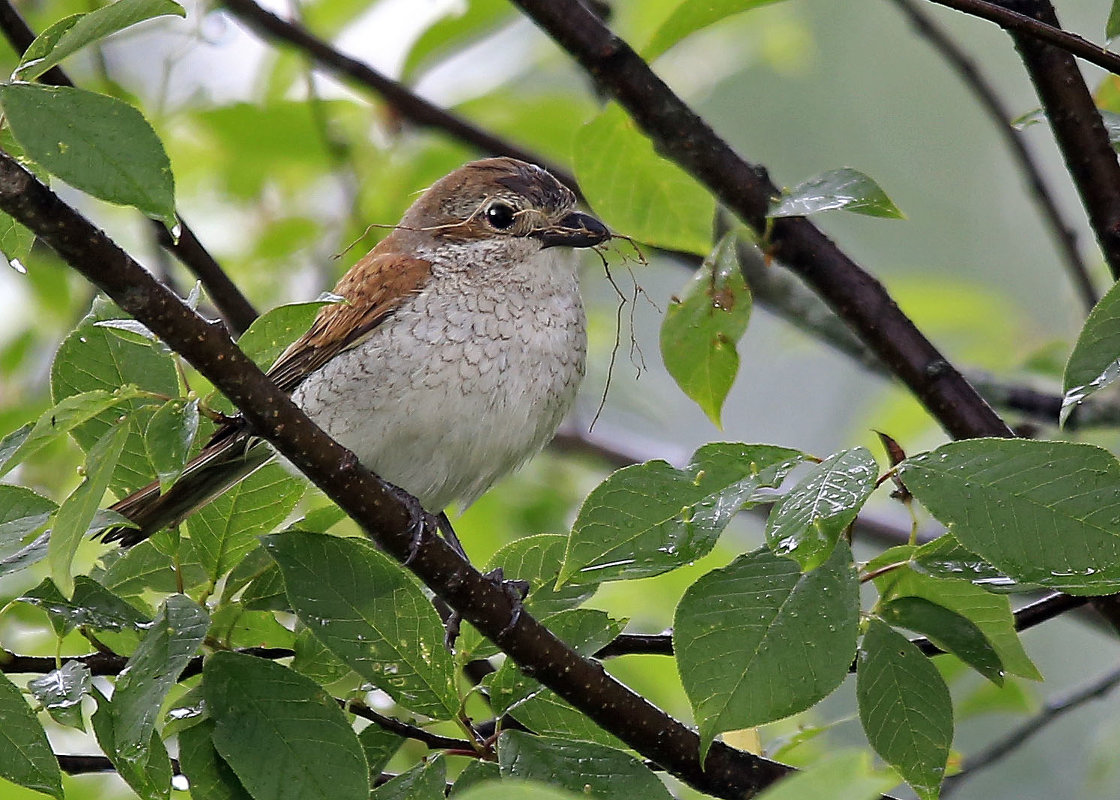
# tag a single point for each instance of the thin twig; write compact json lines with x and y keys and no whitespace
{"x":406,"y":102}
{"x":78,"y":764}
{"x":1021,"y":734}
{"x":784,"y":294}
{"x":1060,"y":230}
{"x":223,"y":292}
{"x":1021,"y":23}
{"x":433,"y":740}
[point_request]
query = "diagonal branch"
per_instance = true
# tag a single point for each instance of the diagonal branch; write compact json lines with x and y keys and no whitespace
{"x":410,"y":105}
{"x":223,"y":292}
{"x":682,"y":136}
{"x":986,"y":95}
{"x":1077,"y":126}
{"x":1021,"y":734}
{"x":1042,"y":31}
{"x":374,"y":506}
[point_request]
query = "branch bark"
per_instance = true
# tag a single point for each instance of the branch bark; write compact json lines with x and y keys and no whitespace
{"x":410,"y":105}
{"x":1077,"y":126}
{"x":1013,"y":21}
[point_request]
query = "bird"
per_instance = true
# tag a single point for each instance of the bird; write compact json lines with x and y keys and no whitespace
{"x":453,"y":355}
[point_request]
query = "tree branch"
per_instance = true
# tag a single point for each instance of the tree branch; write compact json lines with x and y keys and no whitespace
{"x":83,"y":764}
{"x":1021,"y":734}
{"x":1027,"y":617}
{"x":227,"y":298}
{"x":1015,"y":22}
{"x":680,"y":135}
{"x":986,"y":95}
{"x":410,"y":105}
{"x":377,"y":509}
{"x":1077,"y":126}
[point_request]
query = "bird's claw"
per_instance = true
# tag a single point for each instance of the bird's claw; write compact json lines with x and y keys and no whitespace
{"x":516,"y":590}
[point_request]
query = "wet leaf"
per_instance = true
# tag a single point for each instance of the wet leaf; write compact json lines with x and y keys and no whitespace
{"x":844,"y":188}
{"x":759,"y":640}
{"x":905,"y":708}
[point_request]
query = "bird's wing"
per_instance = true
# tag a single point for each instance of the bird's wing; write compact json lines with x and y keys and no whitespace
{"x":373,"y":289}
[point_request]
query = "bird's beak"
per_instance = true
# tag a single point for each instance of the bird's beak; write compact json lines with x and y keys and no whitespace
{"x":574,"y":230}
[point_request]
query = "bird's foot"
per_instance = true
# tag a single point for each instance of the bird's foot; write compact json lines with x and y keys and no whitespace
{"x":421,"y":523}
{"x":516,"y":590}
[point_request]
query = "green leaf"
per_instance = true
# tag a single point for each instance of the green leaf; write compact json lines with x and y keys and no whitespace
{"x":272,"y":332}
{"x":991,"y":613}
{"x":380,"y":746}
{"x":144,"y":567}
{"x":25,"y":754}
{"x":61,"y":691}
{"x":806,"y":524}
{"x":282,"y":733}
{"x":313,"y":659}
{"x":843,"y":188}
{"x":98,"y":144}
{"x":702,"y":328}
{"x":650,"y":518}
{"x":372,"y":615}
{"x":848,"y":775}
{"x":691,"y":16}
{"x":1095,"y":360}
{"x":67,"y":414}
{"x":227,"y":528}
{"x":948,"y":630}
{"x":581,"y":767}
{"x":91,"y":358}
{"x":1043,"y":512}
{"x":474,"y":773}
{"x":210,"y":777}
{"x":460,"y":27}
{"x":537,"y":560}
{"x":1112,"y":27}
{"x":425,"y":781}
{"x":945,"y":557}
{"x":174,"y":638}
{"x":759,"y":640}
{"x":905,"y":708}
{"x":22,"y":512}
{"x":91,"y":606}
{"x":168,"y":438}
{"x":89,"y":28}
{"x":149,"y":774}
{"x":45,"y":42}
{"x":510,"y":789}
{"x":266,"y":592}
{"x":15,"y":242}
{"x":636,"y":191}
{"x":76,"y":512}
{"x":546,"y":713}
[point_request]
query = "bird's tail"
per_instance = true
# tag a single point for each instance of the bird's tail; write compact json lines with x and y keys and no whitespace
{"x":229,"y":457}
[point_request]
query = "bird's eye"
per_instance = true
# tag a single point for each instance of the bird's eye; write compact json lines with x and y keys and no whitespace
{"x":500,"y":216}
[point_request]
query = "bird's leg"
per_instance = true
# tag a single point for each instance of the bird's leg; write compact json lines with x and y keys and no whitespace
{"x":449,"y":535}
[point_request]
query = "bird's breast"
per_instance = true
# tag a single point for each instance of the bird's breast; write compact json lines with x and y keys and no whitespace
{"x":461,"y":384}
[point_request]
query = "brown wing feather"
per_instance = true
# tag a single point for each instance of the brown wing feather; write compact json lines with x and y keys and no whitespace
{"x":374,"y":288}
